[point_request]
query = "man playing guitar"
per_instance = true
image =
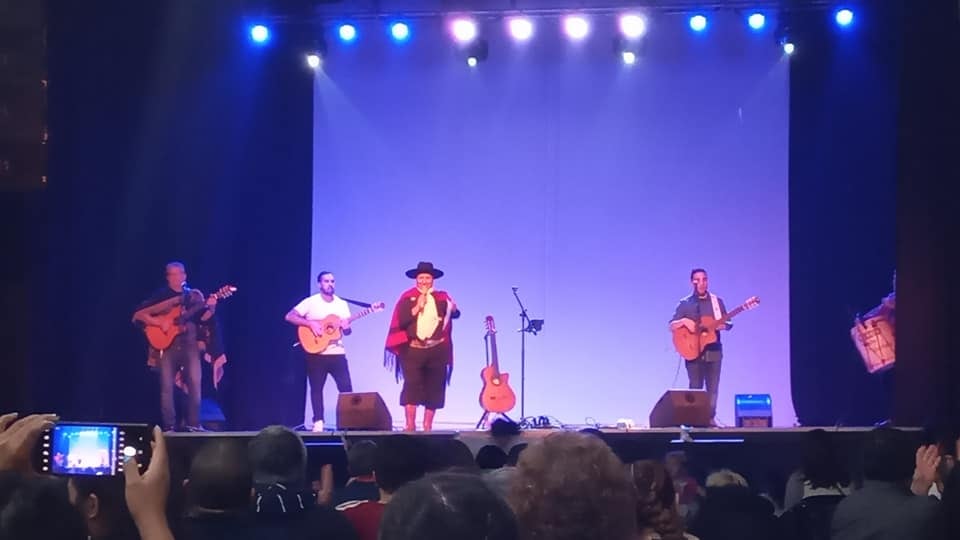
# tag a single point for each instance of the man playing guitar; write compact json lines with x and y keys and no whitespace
{"x":706,"y":367}
{"x":183,"y":351}
{"x":333,"y":359}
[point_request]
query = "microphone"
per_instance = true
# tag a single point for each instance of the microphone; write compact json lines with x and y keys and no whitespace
{"x":184,"y":286}
{"x":515,"y":289}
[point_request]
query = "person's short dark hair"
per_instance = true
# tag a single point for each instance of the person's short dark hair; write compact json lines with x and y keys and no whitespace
{"x":451,"y":454}
{"x":398,"y":460}
{"x":361,"y":457}
{"x":572,"y":486}
{"x":491,"y":457}
{"x":821,"y":465}
{"x":220,"y":476}
{"x":441,"y":506}
{"x":39,"y":507}
{"x":321,"y":274}
{"x":278,"y":456}
{"x":888,"y":455}
{"x":513,"y":456}
{"x":112,"y":513}
{"x":696,"y":271}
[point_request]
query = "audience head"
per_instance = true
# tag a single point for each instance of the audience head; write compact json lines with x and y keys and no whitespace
{"x":491,"y":457}
{"x":821,"y":464}
{"x":500,"y":480}
{"x":676,"y":463}
{"x":441,"y":506}
{"x":888,"y":456}
{"x":504,"y":428}
{"x":39,"y":507}
{"x":726,"y":478}
{"x":513,"y":456}
{"x":220,"y":478}
{"x":399,"y":459}
{"x":572,"y":486}
{"x":452,"y":454}
{"x":360,"y":458}
{"x":100,"y":500}
{"x":278,"y":456}
{"x":656,"y":500}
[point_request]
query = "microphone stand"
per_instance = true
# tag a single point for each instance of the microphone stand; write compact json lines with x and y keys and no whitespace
{"x":525,"y":326}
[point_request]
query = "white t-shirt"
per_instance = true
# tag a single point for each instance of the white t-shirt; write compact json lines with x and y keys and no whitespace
{"x":315,"y":308}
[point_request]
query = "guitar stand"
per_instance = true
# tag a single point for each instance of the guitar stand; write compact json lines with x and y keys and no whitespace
{"x":486,"y":414}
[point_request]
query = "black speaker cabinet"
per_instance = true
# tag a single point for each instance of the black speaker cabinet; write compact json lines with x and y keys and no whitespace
{"x":681,"y":407}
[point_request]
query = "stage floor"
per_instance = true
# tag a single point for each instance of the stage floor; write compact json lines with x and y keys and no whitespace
{"x":629,"y":444}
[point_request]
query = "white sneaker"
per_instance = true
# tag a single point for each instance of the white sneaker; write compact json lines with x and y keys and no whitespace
{"x":318,"y":426}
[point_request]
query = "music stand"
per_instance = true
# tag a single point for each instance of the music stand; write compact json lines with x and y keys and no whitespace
{"x":527,"y":325}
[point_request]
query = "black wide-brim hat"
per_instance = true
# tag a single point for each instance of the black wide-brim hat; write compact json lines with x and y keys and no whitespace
{"x":424,"y":268}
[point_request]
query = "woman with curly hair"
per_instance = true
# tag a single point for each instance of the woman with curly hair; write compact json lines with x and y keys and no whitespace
{"x":657,"y":516}
{"x":571,"y":486}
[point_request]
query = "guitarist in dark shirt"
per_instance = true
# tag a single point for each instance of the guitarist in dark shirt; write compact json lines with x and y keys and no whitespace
{"x":705,"y":370}
{"x":183,"y":352}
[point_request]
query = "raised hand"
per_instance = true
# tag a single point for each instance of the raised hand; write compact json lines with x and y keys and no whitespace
{"x":925,"y":473}
{"x":146,"y":494}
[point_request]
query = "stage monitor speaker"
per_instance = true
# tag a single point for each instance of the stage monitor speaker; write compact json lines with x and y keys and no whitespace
{"x":753,"y":410}
{"x":363,"y":411}
{"x":681,"y":408}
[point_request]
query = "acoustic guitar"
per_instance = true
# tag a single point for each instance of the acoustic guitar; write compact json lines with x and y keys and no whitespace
{"x":496,"y":395}
{"x":690,"y":345}
{"x":314,"y":344}
{"x":177,"y":317}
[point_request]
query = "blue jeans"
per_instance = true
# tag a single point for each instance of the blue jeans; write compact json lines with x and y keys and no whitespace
{"x":183,"y":352}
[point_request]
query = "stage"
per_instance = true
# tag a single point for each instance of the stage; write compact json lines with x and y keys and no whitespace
{"x":766,"y":452}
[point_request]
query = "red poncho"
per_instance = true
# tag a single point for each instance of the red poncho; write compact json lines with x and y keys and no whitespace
{"x":398,"y":340}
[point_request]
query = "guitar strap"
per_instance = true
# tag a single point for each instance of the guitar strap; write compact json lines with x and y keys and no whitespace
{"x":715,"y":303}
{"x":356,"y":302}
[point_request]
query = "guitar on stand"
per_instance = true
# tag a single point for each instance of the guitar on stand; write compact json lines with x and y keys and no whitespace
{"x":496,"y":395}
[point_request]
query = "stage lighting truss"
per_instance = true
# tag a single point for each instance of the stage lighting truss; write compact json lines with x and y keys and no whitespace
{"x":631,"y":25}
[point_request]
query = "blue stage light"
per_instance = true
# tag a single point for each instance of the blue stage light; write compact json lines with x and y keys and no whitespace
{"x":348,"y":32}
{"x":844,"y":17}
{"x":259,"y":33}
{"x":698,"y":23}
{"x":757,"y":21}
{"x":400,"y":31}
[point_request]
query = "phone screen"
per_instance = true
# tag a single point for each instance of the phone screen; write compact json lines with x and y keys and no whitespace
{"x":92,"y":449}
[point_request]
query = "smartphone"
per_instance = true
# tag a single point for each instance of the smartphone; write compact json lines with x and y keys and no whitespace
{"x":79,"y":449}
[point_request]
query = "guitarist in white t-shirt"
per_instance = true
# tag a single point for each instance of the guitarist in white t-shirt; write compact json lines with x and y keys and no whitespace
{"x":333,"y":359}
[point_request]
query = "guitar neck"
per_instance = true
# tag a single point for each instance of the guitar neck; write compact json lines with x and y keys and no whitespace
{"x":362,"y":313}
{"x":494,"y":360}
{"x":189,"y":313}
{"x":736,"y":311}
